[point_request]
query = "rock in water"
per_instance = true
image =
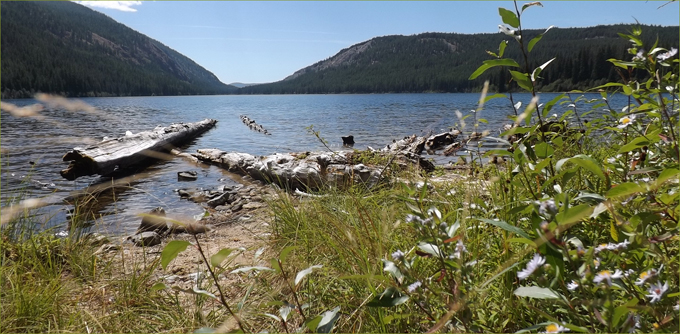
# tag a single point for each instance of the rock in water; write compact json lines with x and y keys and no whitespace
{"x":348,"y":141}
{"x":154,"y":220}
{"x":146,"y":239}
{"x":187,"y":176}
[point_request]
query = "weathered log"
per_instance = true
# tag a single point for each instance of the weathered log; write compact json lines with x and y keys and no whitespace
{"x":311,"y":170}
{"x":115,"y":155}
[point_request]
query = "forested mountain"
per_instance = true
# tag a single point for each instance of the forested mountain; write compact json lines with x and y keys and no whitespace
{"x":65,"y":48}
{"x":442,"y":62}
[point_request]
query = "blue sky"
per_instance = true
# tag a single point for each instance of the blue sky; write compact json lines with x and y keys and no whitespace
{"x":257,"y":42}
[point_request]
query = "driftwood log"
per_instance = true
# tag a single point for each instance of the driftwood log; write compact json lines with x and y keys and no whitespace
{"x":115,"y":155}
{"x":302,"y":171}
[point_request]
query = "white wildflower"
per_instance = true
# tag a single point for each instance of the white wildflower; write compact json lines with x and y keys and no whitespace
{"x":460,"y":249}
{"x":656,"y":291}
{"x":640,"y":56}
{"x":536,"y":262}
{"x":666,"y":55}
{"x":572,"y":286}
{"x":647,"y":275}
{"x":626,"y":121}
{"x":398,"y":255}
{"x":555,"y":328}
{"x":608,"y":276}
{"x":411,"y":288}
{"x":547,"y":207}
{"x":596,"y":262}
{"x":676,"y":307}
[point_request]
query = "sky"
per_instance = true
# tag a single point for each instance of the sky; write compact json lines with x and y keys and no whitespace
{"x":259,"y":42}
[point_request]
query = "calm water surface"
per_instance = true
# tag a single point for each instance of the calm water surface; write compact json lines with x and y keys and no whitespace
{"x":373,"y":120}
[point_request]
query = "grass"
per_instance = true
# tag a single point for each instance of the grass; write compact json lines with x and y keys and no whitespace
{"x":51,"y":284}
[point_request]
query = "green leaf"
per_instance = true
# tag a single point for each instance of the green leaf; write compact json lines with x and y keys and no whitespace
{"x":501,"y":48}
{"x":487,"y":64}
{"x":158,"y":286}
{"x":522,"y":80}
{"x":523,"y":241}
{"x":506,"y":226}
{"x":300,"y":275}
{"x":624,"y":189}
{"x":204,"y":330}
{"x":666,"y":175}
{"x":328,"y":319}
{"x":390,"y":297}
{"x":530,"y":4}
{"x":574,"y":214}
{"x":509,"y":17}
{"x":549,"y":105}
{"x":612,"y":231}
{"x":494,"y":96}
{"x":543,"y":150}
{"x":640,"y":142}
{"x":171,"y":250}
{"x":536,"y":39}
{"x":391,"y":268}
{"x":430,"y":249}
{"x":217,"y":259}
{"x":536,"y":292}
{"x":537,"y":71}
{"x":493,"y":278}
{"x":285,"y":252}
{"x":584,"y":161}
{"x":313,"y":323}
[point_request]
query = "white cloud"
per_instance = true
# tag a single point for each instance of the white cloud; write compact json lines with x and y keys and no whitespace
{"x":125,"y":6}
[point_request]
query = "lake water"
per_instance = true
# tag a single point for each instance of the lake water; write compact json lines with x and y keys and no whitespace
{"x":373,"y":120}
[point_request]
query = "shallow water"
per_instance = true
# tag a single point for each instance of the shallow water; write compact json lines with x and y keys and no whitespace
{"x":32,"y":149}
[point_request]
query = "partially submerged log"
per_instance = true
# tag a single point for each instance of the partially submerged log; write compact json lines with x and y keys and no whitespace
{"x":302,"y":171}
{"x":115,"y":155}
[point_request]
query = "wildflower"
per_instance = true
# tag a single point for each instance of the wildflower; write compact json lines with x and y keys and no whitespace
{"x":596,"y":262}
{"x":601,"y":247}
{"x":398,"y":255}
{"x":411,"y":288}
{"x":536,"y":262}
{"x":555,"y":328}
{"x":411,"y":218}
{"x":636,"y":323}
{"x":656,"y":291}
{"x":572,"y":286}
{"x":432,"y":212}
{"x":628,"y":272}
{"x":460,"y":249}
{"x":640,"y":56}
{"x":647,"y":275}
{"x":667,"y":55}
{"x":676,"y":307}
{"x":547,"y":207}
{"x":607,"y":275}
{"x":626,"y":121}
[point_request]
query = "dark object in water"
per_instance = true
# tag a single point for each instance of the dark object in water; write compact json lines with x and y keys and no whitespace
{"x":348,"y":141}
{"x":187,"y":176}
{"x":116,"y":156}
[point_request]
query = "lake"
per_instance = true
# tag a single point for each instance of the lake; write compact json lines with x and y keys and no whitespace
{"x":32,"y":149}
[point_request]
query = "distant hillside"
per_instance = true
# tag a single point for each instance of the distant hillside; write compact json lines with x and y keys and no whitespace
{"x":442,"y":62}
{"x":65,"y":48}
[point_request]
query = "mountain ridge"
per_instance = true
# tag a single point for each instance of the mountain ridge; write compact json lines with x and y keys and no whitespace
{"x":69,"y":49}
{"x":442,"y":62}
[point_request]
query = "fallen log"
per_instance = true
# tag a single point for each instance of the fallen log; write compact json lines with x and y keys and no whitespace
{"x":116,"y":155}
